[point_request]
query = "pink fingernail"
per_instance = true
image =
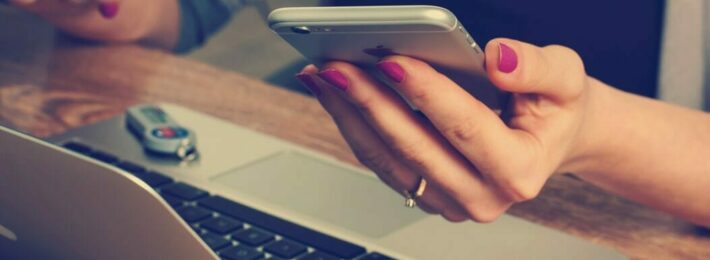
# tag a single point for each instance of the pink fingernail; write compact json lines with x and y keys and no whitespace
{"x":335,"y":78}
{"x":392,"y":70}
{"x":507,"y":58}
{"x":109,"y":10}
{"x":310,"y":84}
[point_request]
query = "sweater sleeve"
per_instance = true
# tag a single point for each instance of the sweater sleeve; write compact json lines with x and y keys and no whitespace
{"x":199,"y":19}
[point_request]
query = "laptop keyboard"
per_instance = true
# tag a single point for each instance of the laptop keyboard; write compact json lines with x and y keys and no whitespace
{"x":232,"y":230}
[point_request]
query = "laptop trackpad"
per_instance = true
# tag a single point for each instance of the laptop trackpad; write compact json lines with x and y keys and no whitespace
{"x":326,"y":191}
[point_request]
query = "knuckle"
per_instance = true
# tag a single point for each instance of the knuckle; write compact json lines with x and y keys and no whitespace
{"x":418,"y":96}
{"x":562,"y":60}
{"x":572,"y":60}
{"x":464,"y":130}
{"x":366,"y":104}
{"x":482,"y":215}
{"x":561,"y":50}
{"x":418,"y":89}
{"x":413,"y":152}
{"x":375,"y":161}
{"x":519,"y":191}
{"x":453,"y":218}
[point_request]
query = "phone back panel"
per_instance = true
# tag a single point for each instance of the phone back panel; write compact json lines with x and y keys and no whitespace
{"x":364,"y":35}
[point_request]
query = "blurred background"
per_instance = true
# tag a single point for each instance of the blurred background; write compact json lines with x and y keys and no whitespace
{"x":245,"y":44}
{"x":248,"y":38}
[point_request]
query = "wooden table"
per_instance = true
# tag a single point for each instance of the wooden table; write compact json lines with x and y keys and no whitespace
{"x":47,"y":91}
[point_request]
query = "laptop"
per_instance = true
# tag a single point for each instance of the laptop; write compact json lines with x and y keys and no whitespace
{"x":95,"y":193}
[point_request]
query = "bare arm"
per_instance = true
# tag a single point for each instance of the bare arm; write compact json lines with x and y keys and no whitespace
{"x":651,"y":152}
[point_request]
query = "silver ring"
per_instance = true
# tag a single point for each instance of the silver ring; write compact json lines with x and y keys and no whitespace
{"x":412,"y":196}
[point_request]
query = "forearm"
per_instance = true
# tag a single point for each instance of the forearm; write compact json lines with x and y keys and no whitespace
{"x":649,"y":151}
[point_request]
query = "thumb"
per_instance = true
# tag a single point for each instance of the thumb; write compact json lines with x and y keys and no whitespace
{"x":554,"y":71}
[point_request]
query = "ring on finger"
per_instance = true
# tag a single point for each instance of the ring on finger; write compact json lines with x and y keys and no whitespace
{"x":412,"y":196}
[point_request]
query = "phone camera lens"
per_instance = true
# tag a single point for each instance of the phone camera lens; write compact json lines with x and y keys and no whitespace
{"x":301,"y":29}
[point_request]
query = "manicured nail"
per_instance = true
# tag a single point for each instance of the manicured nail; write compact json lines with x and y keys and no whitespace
{"x":507,"y":58}
{"x":392,"y":70}
{"x":310,"y":84}
{"x":109,"y":10}
{"x":335,"y":78}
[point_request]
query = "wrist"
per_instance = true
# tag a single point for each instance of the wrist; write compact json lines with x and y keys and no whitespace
{"x":593,"y":145}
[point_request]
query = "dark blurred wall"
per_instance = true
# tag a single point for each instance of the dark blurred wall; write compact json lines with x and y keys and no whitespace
{"x":619,"y":40}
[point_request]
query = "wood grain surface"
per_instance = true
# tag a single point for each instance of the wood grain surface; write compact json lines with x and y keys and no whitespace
{"x":45,"y":91}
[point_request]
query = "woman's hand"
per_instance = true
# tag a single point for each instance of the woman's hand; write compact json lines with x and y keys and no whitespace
{"x":154,"y":22}
{"x":477,"y":164}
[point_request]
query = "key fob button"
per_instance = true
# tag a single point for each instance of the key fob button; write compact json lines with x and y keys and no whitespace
{"x":170,"y":132}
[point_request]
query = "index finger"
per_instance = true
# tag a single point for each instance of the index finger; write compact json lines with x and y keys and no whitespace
{"x":473,"y":128}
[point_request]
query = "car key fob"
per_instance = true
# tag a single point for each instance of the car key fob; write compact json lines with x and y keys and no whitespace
{"x":160,"y":134}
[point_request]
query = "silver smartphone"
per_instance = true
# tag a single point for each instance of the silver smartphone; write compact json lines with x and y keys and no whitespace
{"x":364,"y":34}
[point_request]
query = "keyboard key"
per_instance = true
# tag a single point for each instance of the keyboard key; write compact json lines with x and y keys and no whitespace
{"x":318,"y":256}
{"x":104,"y":157}
{"x":153,"y":179}
{"x":184,"y":191}
{"x":192,"y":214}
{"x":221,"y":225}
{"x":285,"y":248}
{"x":173,"y":201}
{"x":301,"y":234}
{"x":79,"y":148}
{"x":241,"y":252}
{"x":375,"y":256}
{"x":131,"y":167}
{"x":214,"y":241}
{"x":253,"y":237}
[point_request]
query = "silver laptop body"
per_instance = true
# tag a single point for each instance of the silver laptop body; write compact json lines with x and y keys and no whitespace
{"x":60,"y":204}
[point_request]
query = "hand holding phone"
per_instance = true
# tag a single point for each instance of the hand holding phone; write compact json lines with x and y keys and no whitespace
{"x":363,"y":35}
{"x":476,"y":162}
